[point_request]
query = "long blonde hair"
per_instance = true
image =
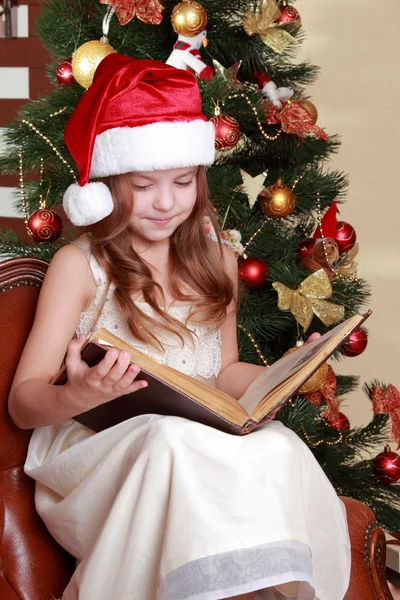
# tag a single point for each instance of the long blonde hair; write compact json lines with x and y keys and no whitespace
{"x":194,"y":259}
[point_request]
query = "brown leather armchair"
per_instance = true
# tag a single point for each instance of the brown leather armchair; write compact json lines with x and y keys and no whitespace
{"x":32,"y":565}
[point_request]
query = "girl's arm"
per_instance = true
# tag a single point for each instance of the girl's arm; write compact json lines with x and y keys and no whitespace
{"x":67,"y":289}
{"x":234,"y":377}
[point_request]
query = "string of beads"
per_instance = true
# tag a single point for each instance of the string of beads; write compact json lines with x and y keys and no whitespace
{"x":270,"y":138}
{"x":22,"y":189}
{"x":255,"y":345}
{"x":320,"y":442}
{"x":52,"y":146}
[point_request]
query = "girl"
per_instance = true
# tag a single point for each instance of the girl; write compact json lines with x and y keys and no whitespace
{"x":161,"y":508}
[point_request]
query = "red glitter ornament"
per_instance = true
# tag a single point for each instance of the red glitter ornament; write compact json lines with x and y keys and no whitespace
{"x":305,"y":248}
{"x":45,"y":225}
{"x":341,"y":422}
{"x":227,"y":132}
{"x":253,"y":271}
{"x":386,"y":466}
{"x":345,"y":236}
{"x":288,"y":14}
{"x":64,"y":72}
{"x":356,"y":343}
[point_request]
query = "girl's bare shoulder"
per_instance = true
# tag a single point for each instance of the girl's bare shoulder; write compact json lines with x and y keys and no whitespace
{"x":70,"y":270}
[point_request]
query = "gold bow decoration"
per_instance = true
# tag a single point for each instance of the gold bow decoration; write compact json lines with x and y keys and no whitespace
{"x":263,"y":23}
{"x":148,"y":11}
{"x":310,"y":299}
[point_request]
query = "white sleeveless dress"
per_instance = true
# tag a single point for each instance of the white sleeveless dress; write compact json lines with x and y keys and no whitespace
{"x":162,"y":508}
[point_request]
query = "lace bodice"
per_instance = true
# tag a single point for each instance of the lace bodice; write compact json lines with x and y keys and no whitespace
{"x":199,"y":358}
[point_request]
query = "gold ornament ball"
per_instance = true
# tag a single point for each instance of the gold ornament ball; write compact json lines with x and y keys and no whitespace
{"x":316,"y":381}
{"x":277,"y":200}
{"x":189,"y":18}
{"x":312,"y":109}
{"x":86,"y":59}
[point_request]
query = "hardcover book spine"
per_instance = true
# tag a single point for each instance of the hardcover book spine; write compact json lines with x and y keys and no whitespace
{"x":249,"y":426}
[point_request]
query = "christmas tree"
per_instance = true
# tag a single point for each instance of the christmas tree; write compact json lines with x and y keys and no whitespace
{"x":275,"y":199}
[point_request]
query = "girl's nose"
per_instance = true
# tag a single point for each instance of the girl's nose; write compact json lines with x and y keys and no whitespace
{"x":165,"y":200}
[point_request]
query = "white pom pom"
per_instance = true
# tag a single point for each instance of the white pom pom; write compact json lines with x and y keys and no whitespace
{"x":87,"y":204}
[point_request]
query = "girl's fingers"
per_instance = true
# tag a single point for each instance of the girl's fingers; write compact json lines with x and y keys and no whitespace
{"x":73,"y":356}
{"x":313,"y":336}
{"x":118,"y":369}
{"x":103,"y":368}
{"x":127,"y":379}
{"x":135,"y":386}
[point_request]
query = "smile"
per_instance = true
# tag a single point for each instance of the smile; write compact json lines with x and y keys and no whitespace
{"x":161,"y":222}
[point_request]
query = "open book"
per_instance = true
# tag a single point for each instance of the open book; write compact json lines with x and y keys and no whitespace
{"x":170,"y":392}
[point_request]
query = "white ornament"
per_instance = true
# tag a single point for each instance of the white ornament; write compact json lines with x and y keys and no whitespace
{"x":186,"y":53}
{"x":233,"y":238}
{"x":278,"y":96}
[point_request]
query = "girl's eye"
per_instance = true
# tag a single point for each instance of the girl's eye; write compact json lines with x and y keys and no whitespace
{"x":140,"y":188}
{"x":184,"y":183}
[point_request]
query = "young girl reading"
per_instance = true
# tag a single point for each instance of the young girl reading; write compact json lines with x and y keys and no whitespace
{"x":160,"y":507}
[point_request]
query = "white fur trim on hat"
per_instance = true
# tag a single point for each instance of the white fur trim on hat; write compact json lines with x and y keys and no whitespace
{"x":157,"y":146}
{"x":87,"y":204}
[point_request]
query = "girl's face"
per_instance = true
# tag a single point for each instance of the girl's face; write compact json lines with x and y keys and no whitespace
{"x":162,"y":201}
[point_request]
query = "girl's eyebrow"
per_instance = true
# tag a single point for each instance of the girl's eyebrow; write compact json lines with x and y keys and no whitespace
{"x":145,"y":176}
{"x":191,"y":172}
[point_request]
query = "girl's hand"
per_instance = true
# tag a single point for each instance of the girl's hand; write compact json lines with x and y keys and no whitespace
{"x":112,"y":377}
{"x":313,"y":336}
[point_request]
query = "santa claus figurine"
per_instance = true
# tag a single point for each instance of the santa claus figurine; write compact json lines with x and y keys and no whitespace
{"x":186,"y":55}
{"x":278,"y":96}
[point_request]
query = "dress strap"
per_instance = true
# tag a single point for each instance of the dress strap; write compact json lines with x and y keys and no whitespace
{"x":103,"y":285}
{"x":84,"y":243}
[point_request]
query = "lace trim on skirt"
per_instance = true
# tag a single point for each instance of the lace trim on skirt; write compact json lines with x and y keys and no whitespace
{"x":245,"y":570}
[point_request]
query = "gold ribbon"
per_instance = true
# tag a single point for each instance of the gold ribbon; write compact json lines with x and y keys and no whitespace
{"x":262,"y":23}
{"x":309,"y":300}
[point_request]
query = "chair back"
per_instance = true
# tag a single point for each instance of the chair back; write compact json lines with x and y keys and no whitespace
{"x":32,"y":565}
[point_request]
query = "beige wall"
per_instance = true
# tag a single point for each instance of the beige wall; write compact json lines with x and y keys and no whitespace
{"x":358,"y":97}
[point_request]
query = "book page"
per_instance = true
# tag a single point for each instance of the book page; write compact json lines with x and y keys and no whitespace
{"x":288,"y":365}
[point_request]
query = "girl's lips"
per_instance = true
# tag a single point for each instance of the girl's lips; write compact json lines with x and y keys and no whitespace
{"x":160,"y":222}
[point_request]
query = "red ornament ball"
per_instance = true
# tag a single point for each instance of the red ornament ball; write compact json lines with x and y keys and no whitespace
{"x":288,"y":14}
{"x":345,"y":236}
{"x":64,"y":72}
{"x":45,"y":225}
{"x":356,"y":343}
{"x":305,"y":248}
{"x":386,"y":466}
{"x":227,"y":132}
{"x":253,"y":272}
{"x":341,"y":422}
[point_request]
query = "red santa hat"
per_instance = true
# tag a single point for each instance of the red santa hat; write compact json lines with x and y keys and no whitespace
{"x":138,"y":115}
